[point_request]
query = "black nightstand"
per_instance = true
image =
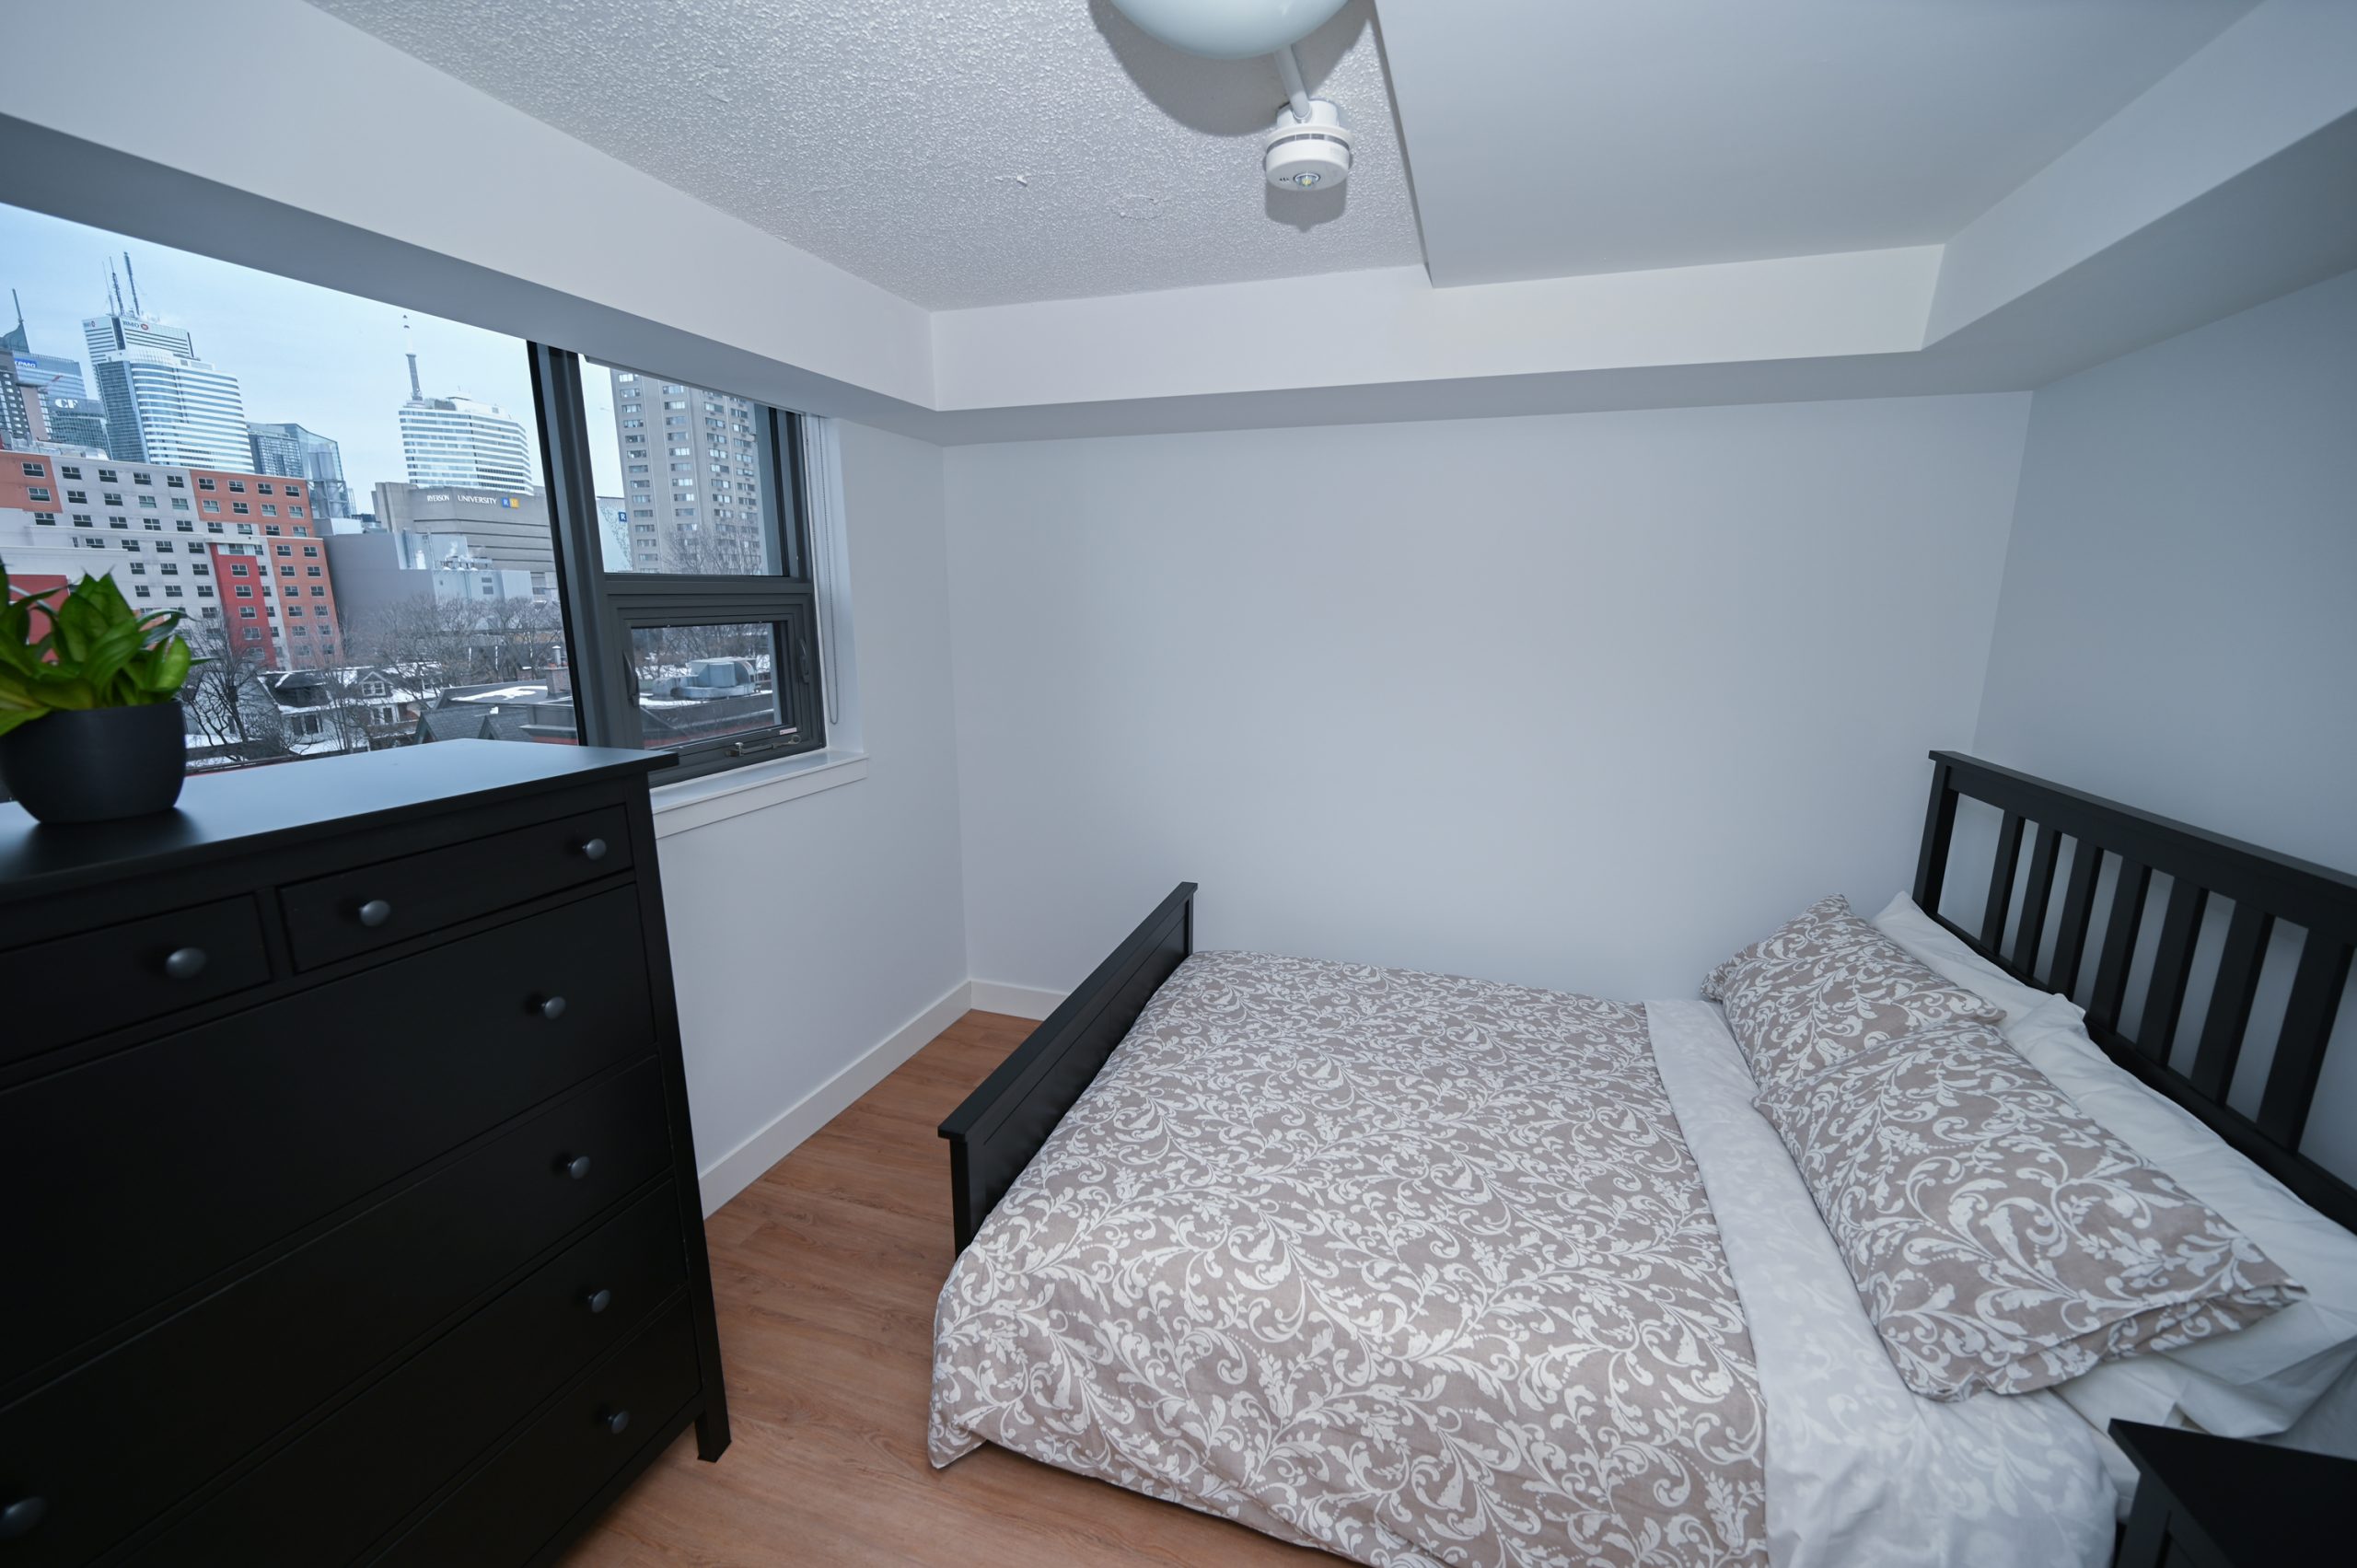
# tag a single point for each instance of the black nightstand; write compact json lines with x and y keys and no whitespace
{"x":2204,"y":1502}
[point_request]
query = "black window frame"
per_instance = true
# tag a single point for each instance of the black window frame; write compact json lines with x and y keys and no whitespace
{"x":603,"y":609}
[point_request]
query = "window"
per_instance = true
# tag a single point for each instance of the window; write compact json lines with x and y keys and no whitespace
{"x":39,"y":493}
{"x":683,"y":619}
{"x":718,"y":632}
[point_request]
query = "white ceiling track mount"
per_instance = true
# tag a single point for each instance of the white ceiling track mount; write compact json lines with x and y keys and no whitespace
{"x":1309,"y":147}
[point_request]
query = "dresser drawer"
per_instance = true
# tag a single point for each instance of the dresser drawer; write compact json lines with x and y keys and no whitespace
{"x":155,"y":1167}
{"x":358,"y":911}
{"x":342,"y":1485}
{"x":537,"y":1483}
{"x":78,"y":986}
{"x":116,"y":1442}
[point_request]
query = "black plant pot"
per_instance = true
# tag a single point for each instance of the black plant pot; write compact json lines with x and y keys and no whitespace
{"x":97,"y":765}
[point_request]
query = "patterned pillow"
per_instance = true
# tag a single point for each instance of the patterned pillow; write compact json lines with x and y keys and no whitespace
{"x":1999,"y":1238}
{"x":1826,"y":985}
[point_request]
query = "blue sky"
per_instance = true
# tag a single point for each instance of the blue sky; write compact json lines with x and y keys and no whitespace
{"x":323,"y":359}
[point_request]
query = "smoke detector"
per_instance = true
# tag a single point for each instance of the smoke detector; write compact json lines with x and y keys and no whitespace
{"x":1312,"y":154}
{"x":1309,"y":147}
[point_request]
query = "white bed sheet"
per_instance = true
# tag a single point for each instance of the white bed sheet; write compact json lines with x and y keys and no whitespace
{"x":1862,"y":1472}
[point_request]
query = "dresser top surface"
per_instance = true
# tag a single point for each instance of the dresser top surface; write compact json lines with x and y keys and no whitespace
{"x":225,"y":813}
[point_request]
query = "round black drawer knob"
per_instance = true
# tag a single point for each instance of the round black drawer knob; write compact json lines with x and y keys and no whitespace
{"x":614,"y":1422}
{"x":20,"y":1518}
{"x":375,"y":912}
{"x":550,"y":1008}
{"x":593,"y":849}
{"x":576,"y":1167}
{"x":598,"y":1300}
{"x":184,"y":963}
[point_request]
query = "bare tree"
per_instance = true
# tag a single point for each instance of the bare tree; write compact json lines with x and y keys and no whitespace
{"x":227,"y":698}
{"x":435,"y":641}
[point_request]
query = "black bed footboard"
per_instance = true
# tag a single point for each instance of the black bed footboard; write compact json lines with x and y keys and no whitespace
{"x":1002,"y":1124}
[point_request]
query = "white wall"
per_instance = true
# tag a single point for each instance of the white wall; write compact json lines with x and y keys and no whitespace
{"x":1580,"y":700}
{"x":2178,"y":624}
{"x":805,"y":933}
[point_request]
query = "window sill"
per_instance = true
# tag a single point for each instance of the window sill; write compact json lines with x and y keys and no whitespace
{"x":697,"y":803}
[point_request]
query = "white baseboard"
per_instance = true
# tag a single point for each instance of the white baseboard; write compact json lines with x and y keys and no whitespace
{"x":743,"y":1166}
{"x":1016,"y":1000}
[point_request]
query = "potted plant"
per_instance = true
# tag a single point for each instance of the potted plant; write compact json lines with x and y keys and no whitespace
{"x":90,"y":725}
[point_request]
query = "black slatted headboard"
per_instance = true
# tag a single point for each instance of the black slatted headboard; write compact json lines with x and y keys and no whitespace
{"x":2188,"y":1057}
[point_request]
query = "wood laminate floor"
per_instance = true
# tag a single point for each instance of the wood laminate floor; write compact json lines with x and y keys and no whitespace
{"x":826,"y":1271}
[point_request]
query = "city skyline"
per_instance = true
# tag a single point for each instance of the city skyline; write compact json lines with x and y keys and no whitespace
{"x":267,"y":332}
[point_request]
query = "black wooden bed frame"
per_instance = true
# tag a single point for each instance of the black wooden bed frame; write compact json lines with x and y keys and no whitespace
{"x":994,"y":1133}
{"x":993,"y":1136}
{"x":2266,"y":888}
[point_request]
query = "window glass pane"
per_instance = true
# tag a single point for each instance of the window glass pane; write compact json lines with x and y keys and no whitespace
{"x":681,"y":474}
{"x":702,"y":683}
{"x":419,"y":600}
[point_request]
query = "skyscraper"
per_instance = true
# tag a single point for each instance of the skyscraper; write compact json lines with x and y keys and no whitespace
{"x":163,"y":408}
{"x":163,"y":404}
{"x":46,"y":376}
{"x":17,"y":404}
{"x":460,"y":441}
{"x":692,"y":476}
{"x":288,"y":449}
{"x":76,"y":421}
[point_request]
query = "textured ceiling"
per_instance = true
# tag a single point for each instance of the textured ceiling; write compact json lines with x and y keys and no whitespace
{"x":956,"y":152}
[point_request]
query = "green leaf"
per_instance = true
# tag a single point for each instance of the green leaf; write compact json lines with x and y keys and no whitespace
{"x":73,"y":695}
{"x":168,"y":671}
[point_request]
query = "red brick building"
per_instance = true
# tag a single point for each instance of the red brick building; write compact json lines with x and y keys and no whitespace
{"x":273,"y":514}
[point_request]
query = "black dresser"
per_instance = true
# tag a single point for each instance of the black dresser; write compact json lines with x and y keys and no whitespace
{"x":348,"y":1210}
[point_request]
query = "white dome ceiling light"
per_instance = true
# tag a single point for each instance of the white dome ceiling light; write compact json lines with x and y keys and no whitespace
{"x":1309,"y":147}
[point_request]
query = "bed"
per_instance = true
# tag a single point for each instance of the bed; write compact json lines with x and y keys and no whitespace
{"x":1418,"y":1269}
